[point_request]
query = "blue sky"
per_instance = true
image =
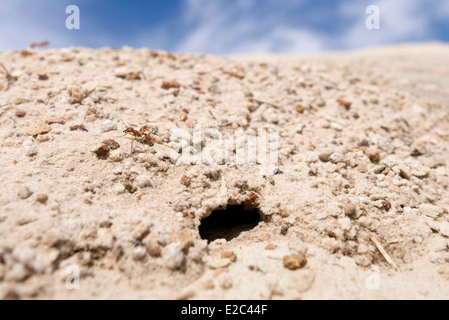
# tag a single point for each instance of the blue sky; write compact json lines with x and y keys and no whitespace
{"x":223,"y":26}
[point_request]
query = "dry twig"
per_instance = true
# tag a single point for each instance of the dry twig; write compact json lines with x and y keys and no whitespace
{"x":384,"y":253}
{"x":9,"y":77}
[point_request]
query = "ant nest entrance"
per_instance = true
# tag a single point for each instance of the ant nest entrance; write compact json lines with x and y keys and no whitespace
{"x":230,"y":222}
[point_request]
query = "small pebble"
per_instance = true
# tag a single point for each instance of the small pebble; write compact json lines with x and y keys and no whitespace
{"x":284,"y":229}
{"x":373,"y":154}
{"x":324,"y":155}
{"x":40,"y":72}
{"x":20,"y":113}
{"x":438,"y":244}
{"x":116,"y":155}
{"x":421,"y":172}
{"x":300,"y":108}
{"x":42,"y":198}
{"x":353,"y":212}
{"x":337,"y":157}
{"x":24,"y":193}
{"x":184,"y":236}
{"x":386,"y":205}
{"x":105,"y":224}
{"x":330,"y":244}
{"x":320,"y":102}
{"x":404,"y":172}
{"x":294,"y":262}
{"x":166,"y":85}
{"x":378,"y":196}
{"x":345,"y":224}
{"x":30,"y":147}
{"x":185,"y":180}
{"x":17,"y":273}
{"x":77,"y":94}
{"x":214,"y":89}
{"x":128,"y":74}
{"x":78,"y":127}
{"x":173,"y":256}
{"x":139,"y":253}
{"x":42,"y":138}
{"x":40,"y":128}
{"x":434,"y":225}
{"x":229,"y":255}
{"x":341,"y":165}
{"x":164,"y":151}
{"x":112,"y":144}
{"x":119,"y":189}
{"x":444,"y":228}
{"x":20,"y":100}
{"x":108,"y":125}
{"x":431,"y":211}
{"x":55,"y":119}
{"x":218,"y":263}
{"x":144,"y":181}
{"x":378,"y":169}
{"x":419,"y":148}
{"x":101,"y":151}
{"x":153,"y":248}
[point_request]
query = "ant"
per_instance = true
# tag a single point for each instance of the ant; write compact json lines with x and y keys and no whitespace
{"x":143,"y":135}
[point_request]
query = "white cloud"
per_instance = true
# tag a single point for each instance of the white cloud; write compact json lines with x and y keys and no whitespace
{"x":233,"y":26}
{"x":400,"y":20}
{"x":230,"y":27}
{"x":23,"y":22}
{"x":284,"y":39}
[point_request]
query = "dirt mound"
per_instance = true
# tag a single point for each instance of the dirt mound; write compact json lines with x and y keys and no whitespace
{"x":308,"y":157}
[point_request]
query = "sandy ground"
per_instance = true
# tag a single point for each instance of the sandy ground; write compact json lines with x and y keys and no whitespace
{"x":362,"y":152}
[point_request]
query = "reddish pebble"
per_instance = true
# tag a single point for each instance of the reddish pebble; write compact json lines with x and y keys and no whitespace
{"x":20,"y":113}
{"x":111,"y":144}
{"x":170,"y":84}
{"x":78,"y":127}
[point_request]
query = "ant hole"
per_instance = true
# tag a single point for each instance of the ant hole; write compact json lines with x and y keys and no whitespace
{"x":229,"y":223}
